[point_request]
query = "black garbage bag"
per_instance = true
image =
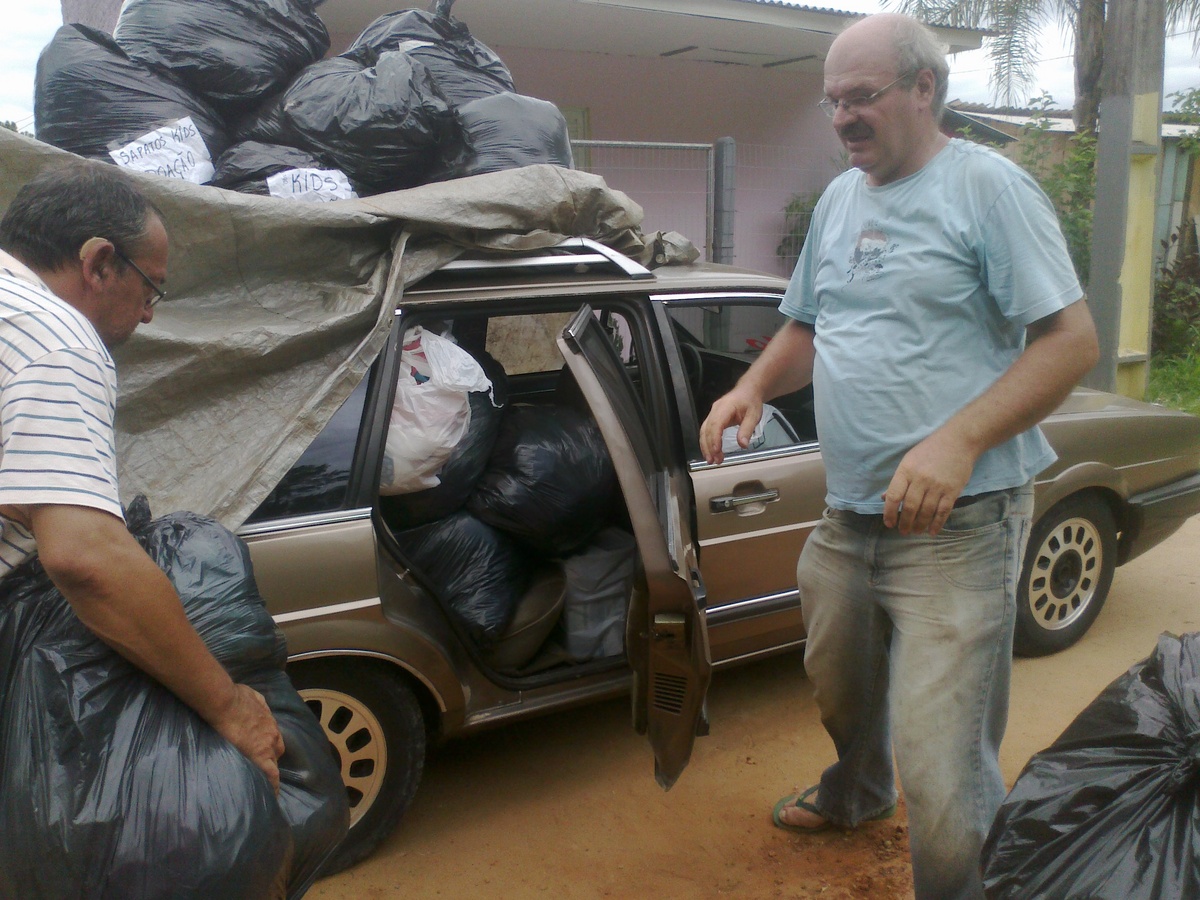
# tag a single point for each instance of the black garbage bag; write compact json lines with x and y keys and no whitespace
{"x":550,"y":482}
{"x":93,"y":100}
{"x":479,"y":573}
{"x":231,"y":52}
{"x":507,"y":131}
{"x":274,"y":170}
{"x":384,"y":125}
{"x":463,"y":68}
{"x":467,"y":461}
{"x":265,"y":123}
{"x":1111,"y":810}
{"x":111,"y":788}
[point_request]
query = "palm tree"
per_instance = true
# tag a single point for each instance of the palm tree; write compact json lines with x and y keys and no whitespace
{"x":1017,"y":23}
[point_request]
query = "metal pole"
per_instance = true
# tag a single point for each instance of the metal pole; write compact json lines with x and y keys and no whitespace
{"x":724,"y":176}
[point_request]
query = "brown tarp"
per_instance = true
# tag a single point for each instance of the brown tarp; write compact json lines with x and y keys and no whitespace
{"x":276,"y":309}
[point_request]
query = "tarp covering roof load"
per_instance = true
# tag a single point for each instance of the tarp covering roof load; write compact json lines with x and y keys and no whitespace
{"x":276,"y":310}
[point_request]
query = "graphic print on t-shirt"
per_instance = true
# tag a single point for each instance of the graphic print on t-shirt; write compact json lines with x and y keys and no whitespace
{"x":872,"y":246}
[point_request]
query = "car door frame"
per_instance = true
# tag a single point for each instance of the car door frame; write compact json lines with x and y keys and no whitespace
{"x":666,"y":631}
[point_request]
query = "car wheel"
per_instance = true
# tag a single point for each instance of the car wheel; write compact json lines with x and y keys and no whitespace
{"x":1068,"y":570}
{"x":377,"y":734}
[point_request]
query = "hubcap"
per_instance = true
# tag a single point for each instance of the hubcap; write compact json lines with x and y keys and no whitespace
{"x":358,"y":744}
{"x":1064,"y":574}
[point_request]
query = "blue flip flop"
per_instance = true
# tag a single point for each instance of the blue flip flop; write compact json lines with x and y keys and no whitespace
{"x":801,"y":801}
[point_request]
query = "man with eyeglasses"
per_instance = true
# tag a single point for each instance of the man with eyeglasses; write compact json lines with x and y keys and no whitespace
{"x":936,"y":312}
{"x":82,"y":264}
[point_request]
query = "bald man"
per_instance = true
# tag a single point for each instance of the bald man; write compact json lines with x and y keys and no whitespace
{"x":936,"y":312}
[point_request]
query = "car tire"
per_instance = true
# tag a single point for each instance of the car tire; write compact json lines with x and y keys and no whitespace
{"x":377,"y":735}
{"x":1068,"y":570}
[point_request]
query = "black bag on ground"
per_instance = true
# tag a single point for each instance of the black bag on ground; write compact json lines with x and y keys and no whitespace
{"x":463,"y":68}
{"x":248,"y":166}
{"x":384,"y":126}
{"x":111,"y":788}
{"x":467,"y":462}
{"x":550,"y":482}
{"x":90,"y":98}
{"x":1111,"y":810}
{"x":507,"y":131}
{"x":231,"y":52}
{"x":478,"y":572}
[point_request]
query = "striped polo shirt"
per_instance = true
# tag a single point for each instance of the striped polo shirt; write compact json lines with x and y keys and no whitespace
{"x":58,"y":389}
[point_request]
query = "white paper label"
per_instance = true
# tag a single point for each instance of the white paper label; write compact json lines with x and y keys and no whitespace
{"x":174,"y":151}
{"x":311,"y":185}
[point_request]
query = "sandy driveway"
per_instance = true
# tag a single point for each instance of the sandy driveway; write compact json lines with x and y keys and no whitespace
{"x":566,"y":807}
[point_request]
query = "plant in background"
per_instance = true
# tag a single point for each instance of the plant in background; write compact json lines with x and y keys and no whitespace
{"x":1186,"y":110}
{"x":1176,"y":321}
{"x":797,"y":217}
{"x":1070,"y":183}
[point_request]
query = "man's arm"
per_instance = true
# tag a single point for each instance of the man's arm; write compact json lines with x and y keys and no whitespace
{"x":786,"y":365}
{"x":1061,"y":349}
{"x":125,"y":599}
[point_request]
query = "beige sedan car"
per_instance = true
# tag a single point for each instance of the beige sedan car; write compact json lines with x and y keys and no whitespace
{"x":397,"y":646}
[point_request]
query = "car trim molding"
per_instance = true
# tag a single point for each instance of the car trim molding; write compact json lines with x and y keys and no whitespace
{"x":331,"y":610}
{"x":744,"y":535}
{"x":700,"y":465}
{"x":291,"y":524}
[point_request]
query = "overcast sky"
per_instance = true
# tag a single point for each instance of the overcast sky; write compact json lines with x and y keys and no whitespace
{"x":30,"y":25}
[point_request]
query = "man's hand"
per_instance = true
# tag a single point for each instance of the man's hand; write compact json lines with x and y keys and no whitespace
{"x":928,"y":480}
{"x":741,"y":407}
{"x":247,"y":723}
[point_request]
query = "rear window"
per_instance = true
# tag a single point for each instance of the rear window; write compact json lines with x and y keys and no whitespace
{"x":319,"y":480}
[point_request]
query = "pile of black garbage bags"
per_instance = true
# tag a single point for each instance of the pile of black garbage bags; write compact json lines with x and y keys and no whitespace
{"x":237,"y":93}
{"x":525,"y":485}
{"x":111,"y":787}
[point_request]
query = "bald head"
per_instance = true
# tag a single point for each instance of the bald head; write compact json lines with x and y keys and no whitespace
{"x":897,"y":43}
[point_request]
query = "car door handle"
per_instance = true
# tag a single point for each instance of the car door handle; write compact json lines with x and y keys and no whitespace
{"x":733,"y":501}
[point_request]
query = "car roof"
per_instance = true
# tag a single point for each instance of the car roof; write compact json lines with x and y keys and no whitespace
{"x":578,"y":267}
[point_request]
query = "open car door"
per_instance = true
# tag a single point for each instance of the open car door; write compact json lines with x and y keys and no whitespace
{"x":666,"y":637}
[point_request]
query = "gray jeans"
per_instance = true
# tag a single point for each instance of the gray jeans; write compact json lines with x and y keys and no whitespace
{"x":910,"y":649}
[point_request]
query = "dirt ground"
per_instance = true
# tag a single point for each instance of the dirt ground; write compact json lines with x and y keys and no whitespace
{"x":566,"y":806}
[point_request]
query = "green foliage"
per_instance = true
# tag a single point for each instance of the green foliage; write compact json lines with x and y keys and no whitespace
{"x":1070,"y":184}
{"x":1176,"y":322}
{"x":1175,"y":382}
{"x":797,"y":217}
{"x":1187,"y":111}
{"x":11,"y":126}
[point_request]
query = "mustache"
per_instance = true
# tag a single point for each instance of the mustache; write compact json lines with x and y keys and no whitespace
{"x":855,"y":131}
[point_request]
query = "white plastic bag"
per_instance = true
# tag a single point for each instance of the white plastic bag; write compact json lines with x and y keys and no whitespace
{"x":431,"y":411}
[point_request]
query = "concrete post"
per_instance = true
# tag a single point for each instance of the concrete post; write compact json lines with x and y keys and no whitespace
{"x":1121,"y":284}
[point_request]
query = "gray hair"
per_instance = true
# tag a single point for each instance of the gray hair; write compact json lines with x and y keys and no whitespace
{"x":54,"y":215}
{"x":917,"y":47}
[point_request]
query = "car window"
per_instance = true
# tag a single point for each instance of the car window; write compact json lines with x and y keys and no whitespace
{"x":319,"y":480}
{"x":718,"y":341}
{"x":525,"y":344}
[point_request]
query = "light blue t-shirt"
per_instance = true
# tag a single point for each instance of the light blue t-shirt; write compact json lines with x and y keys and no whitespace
{"x":919,"y":292}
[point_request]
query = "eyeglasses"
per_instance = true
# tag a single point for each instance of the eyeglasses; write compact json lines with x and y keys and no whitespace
{"x":158,"y":292}
{"x":855,"y":105}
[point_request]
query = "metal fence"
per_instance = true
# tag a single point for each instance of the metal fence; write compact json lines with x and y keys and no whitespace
{"x":673,"y":183}
{"x":743,"y":205}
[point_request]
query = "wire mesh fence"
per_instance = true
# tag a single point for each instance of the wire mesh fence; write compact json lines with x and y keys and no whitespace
{"x":671,"y":182}
{"x":774,"y":187}
{"x":777,"y":187}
